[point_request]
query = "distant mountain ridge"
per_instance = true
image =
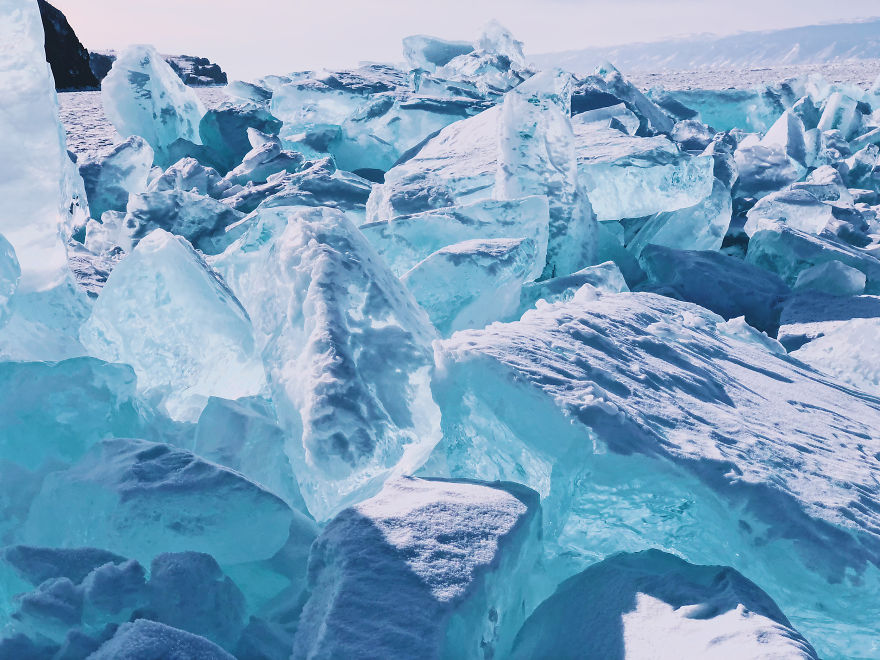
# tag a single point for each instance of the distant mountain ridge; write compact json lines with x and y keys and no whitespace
{"x":812,"y":44}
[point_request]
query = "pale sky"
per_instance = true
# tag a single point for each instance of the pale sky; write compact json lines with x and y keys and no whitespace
{"x":256,"y":37}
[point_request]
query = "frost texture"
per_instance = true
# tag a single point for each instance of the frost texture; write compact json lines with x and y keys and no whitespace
{"x":346,"y":348}
{"x":450,"y":548}
{"x":566,"y":387}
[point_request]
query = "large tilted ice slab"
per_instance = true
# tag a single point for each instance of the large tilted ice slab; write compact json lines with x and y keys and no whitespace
{"x":698,"y":227}
{"x":654,"y":605}
{"x":832,"y":277}
{"x":788,"y":252}
{"x":473,"y":283}
{"x":143,"y":96}
{"x":244,"y":435}
{"x":139,"y":499}
{"x":746,"y":109}
{"x":538,"y":157}
{"x":456,"y":166}
{"x":347,"y":352}
{"x":691,"y":432}
{"x":652,"y":117}
{"x":52,"y":413}
{"x":166,"y":313}
{"x":406,"y":240}
{"x":798,"y":209}
{"x":38,"y":182}
{"x":723,"y":284}
{"x":631,"y":177}
{"x":365,"y":118}
{"x":43,"y":197}
{"x":523,"y":147}
{"x":427,"y":568}
{"x":111,"y":179}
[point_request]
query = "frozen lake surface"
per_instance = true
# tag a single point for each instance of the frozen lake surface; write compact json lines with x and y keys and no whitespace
{"x":90,"y":133}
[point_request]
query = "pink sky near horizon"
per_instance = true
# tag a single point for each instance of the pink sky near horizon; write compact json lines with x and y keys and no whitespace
{"x":276,"y":36}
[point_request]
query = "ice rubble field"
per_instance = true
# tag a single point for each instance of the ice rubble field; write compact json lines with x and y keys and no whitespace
{"x":462,"y":361}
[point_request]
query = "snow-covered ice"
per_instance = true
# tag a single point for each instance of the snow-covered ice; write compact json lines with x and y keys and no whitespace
{"x":454,"y":357}
{"x":654,"y":605}
{"x":458,"y":554}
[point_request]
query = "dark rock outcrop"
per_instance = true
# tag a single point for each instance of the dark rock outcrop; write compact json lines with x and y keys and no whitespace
{"x":67,"y":57}
{"x":193,"y":71}
{"x":101,"y":64}
{"x":196,"y":71}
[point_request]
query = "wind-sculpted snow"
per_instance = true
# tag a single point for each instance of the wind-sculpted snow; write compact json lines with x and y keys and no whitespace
{"x":635,"y":386}
{"x":428,"y":568}
{"x":144,"y":639}
{"x":809,"y":315}
{"x":346,"y":348}
{"x":652,"y":604}
{"x":847,"y":351}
